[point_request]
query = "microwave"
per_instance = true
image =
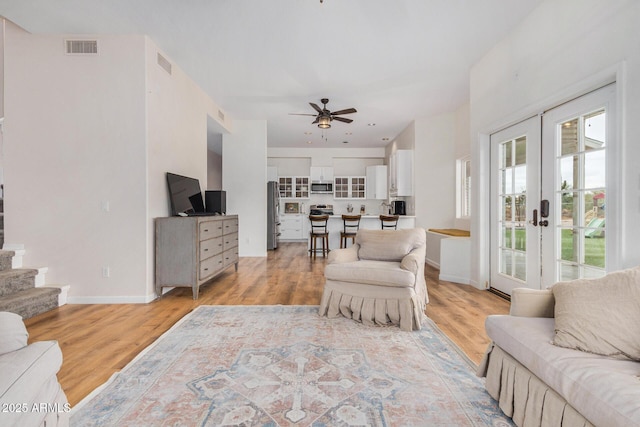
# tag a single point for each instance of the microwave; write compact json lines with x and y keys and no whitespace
{"x":322,"y":187}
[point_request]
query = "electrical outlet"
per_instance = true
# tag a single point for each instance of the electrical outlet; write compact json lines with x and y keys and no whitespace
{"x":106,"y":272}
{"x":105,"y":206}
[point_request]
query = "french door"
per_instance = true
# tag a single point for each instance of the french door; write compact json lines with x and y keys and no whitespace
{"x":515,"y":184}
{"x":549,"y":216}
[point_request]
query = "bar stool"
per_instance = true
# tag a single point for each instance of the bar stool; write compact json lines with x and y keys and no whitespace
{"x":351,"y":224}
{"x":319,"y":230}
{"x":389,"y":221}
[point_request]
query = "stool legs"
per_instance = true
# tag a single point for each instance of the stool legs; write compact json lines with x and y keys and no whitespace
{"x":314,"y":244}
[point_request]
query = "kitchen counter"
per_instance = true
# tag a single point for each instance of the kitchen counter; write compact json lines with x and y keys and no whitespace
{"x":335,"y":226}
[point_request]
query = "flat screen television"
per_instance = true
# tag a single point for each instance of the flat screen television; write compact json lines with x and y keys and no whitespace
{"x":185,"y":195}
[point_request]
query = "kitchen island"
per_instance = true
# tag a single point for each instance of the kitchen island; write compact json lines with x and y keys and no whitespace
{"x":295,"y":227}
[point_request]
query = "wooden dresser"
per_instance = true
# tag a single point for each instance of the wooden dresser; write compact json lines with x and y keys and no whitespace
{"x":193,"y":250}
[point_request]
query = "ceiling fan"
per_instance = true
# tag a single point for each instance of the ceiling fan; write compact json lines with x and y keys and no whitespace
{"x":325,"y":117}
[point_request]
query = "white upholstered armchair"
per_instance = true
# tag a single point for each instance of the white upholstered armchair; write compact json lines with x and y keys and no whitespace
{"x":379,"y":280}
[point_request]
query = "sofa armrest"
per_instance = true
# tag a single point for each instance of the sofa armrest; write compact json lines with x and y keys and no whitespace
{"x":532,"y":303}
{"x":339,"y":256}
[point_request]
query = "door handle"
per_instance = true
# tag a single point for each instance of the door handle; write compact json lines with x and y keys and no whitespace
{"x":534,"y":221}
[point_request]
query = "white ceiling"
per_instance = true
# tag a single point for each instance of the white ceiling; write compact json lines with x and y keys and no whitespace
{"x":392,"y":60}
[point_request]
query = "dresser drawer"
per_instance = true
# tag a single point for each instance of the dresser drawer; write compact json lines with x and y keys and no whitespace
{"x":209,"y":229}
{"x":211,"y":247}
{"x":230,"y":241}
{"x":230,"y":257}
{"x":210,"y":266}
{"x":230,"y":226}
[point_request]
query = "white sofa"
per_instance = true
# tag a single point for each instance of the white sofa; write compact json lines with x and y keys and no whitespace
{"x":379,"y":280}
{"x":538,"y":383}
{"x":30,"y":394}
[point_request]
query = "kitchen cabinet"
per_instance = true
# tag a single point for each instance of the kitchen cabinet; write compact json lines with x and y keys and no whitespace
{"x":321,"y":173}
{"x":294,"y":187}
{"x":349,"y":187}
{"x":292,"y":226}
{"x":377,"y":182}
{"x":401,"y":173}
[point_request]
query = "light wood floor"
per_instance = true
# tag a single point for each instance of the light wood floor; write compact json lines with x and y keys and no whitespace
{"x":99,"y":340}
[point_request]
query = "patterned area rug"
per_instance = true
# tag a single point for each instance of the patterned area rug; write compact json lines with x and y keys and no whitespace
{"x":286,"y":366}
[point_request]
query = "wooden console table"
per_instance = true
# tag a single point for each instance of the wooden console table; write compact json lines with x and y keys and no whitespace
{"x":193,"y":250}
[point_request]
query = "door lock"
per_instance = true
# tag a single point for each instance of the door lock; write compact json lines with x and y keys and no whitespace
{"x":534,"y":221}
{"x":544,"y":223}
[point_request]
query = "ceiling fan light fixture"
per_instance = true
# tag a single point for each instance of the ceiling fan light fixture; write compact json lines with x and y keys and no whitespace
{"x":324,"y":122}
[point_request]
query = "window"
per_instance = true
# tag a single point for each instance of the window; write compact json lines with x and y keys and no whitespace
{"x":463,"y":185}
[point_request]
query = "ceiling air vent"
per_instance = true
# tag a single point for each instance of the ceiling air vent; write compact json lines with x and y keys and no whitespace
{"x":164,"y":63}
{"x":82,"y":47}
{"x":221,"y":115}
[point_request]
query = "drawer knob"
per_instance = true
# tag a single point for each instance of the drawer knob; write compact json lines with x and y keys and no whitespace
{"x":206,"y":229}
{"x":206,"y":250}
{"x":206,"y":269}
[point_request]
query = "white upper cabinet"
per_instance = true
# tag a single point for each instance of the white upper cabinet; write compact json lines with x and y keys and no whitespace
{"x":321,"y":173}
{"x":401,"y":173}
{"x":377,"y":182}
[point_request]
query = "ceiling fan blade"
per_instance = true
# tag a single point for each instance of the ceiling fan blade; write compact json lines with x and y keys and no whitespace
{"x":301,"y":114}
{"x":341,"y":119}
{"x":347,"y":111}
{"x":315,"y":107}
{"x":315,"y":121}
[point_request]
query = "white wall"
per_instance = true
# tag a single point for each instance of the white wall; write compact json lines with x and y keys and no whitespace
{"x":244,"y":174}
{"x":437,"y":142}
{"x":74,"y":141}
{"x":176,"y":139}
{"x":88,"y":141}
{"x":544,"y":62}
{"x":214,"y":171}
{"x":435,"y":178}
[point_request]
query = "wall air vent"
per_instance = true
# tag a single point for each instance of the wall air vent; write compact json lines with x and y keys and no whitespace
{"x":221,"y":115}
{"x":164,"y":63}
{"x":81,"y":47}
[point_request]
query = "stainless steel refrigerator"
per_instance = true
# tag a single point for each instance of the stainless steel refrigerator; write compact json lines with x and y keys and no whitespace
{"x":273,"y":215}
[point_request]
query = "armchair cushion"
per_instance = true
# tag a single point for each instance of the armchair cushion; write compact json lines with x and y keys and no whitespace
{"x":600,"y":315}
{"x":388,"y":245}
{"x":381,"y":273}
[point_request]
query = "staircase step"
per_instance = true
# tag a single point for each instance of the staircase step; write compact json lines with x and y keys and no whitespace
{"x":16,"y":280}
{"x":30,"y":302}
{"x":6,"y":258}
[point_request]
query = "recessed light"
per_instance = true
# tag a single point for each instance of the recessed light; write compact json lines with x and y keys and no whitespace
{"x":308,"y":133}
{"x":308,"y":142}
{"x":371,"y":124}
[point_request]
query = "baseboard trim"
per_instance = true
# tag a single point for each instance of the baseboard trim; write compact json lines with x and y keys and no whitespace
{"x":454,"y":279}
{"x":111,"y":300}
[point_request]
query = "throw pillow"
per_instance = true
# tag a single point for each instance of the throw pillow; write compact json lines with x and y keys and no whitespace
{"x":600,"y":315}
{"x":13,"y":334}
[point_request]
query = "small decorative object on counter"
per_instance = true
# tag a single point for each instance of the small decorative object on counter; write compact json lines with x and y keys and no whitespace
{"x":362,"y":209}
{"x":349,"y":208}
